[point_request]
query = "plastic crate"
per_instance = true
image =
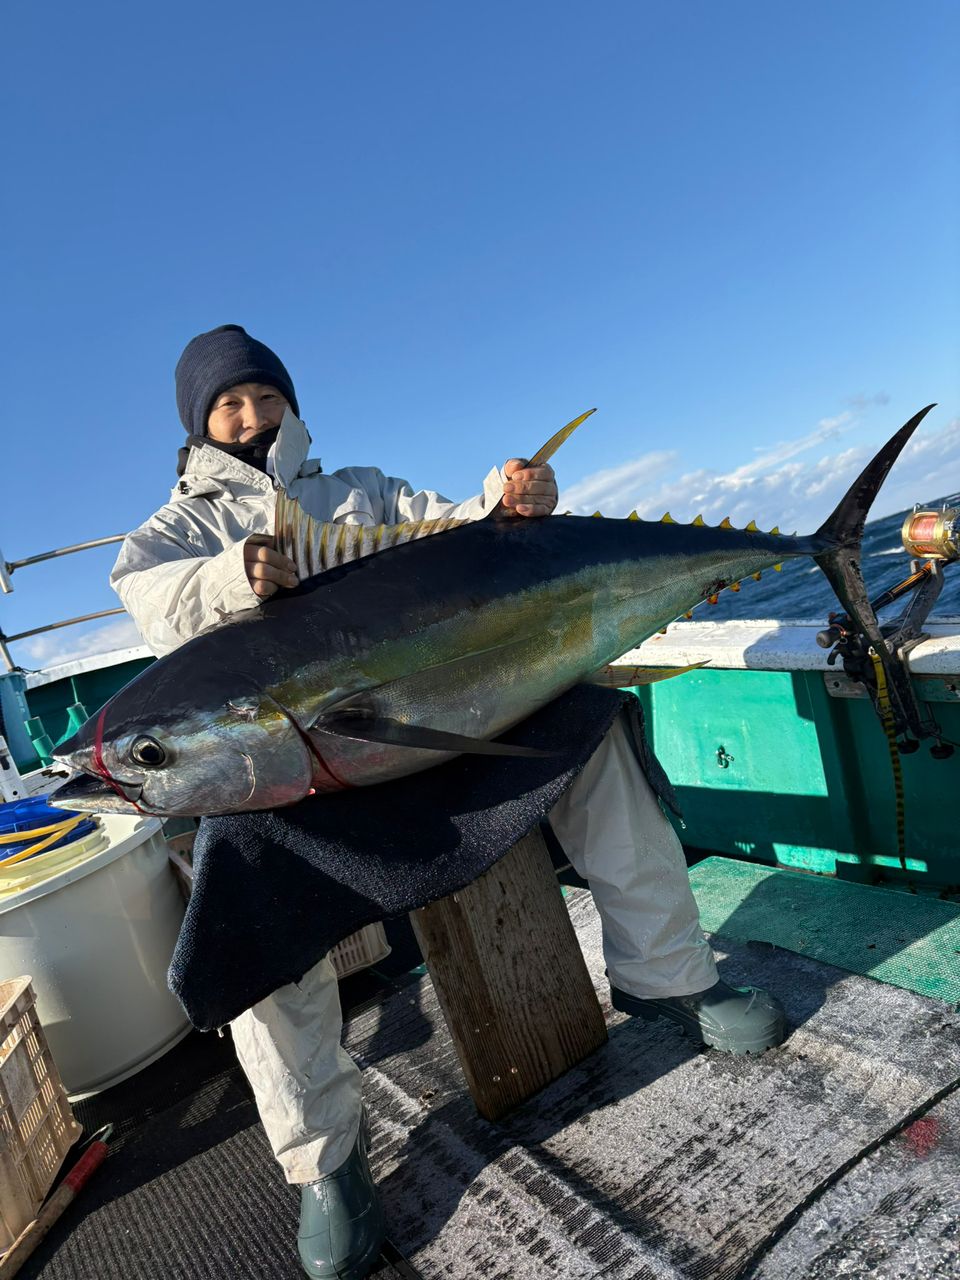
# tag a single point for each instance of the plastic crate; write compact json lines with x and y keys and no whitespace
{"x":359,"y":951}
{"x":37,"y":1127}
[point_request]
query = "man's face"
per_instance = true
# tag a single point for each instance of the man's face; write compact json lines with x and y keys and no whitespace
{"x":245,"y":410}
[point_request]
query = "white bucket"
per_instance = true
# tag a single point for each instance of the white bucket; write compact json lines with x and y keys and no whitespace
{"x":97,"y":938}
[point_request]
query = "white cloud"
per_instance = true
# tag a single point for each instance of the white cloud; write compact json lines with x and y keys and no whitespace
{"x":777,"y":487}
{"x":54,"y":647}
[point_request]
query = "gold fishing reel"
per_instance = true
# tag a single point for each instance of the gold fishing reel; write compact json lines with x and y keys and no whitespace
{"x":932,"y":535}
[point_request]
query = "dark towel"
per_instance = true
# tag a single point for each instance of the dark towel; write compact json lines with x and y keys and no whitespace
{"x":274,"y":891}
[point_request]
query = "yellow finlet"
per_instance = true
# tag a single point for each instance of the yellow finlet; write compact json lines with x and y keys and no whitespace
{"x":778,"y":568}
{"x":712,"y":599}
{"x":725,"y":523}
{"x":755,"y":577}
{"x":775,"y":531}
{"x":667,"y":518}
{"x":699,"y":522}
{"x":734,"y":586}
{"x":752,"y":527}
{"x":597,"y":515}
{"x":633,"y":516}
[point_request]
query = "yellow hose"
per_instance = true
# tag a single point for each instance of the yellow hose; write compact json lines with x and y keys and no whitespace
{"x":52,"y":835}
{"x":12,"y":837}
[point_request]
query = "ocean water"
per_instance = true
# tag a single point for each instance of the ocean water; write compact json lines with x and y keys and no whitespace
{"x":801,"y":590}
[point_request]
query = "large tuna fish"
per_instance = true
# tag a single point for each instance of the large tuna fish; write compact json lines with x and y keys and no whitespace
{"x":393,"y":662}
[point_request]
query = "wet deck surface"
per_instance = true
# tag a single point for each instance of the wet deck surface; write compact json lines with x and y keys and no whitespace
{"x":837,"y":1154}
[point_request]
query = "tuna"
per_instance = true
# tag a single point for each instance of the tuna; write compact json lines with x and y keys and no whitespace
{"x":412,"y":644}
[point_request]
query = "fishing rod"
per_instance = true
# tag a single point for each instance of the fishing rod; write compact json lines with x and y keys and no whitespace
{"x":932,"y":538}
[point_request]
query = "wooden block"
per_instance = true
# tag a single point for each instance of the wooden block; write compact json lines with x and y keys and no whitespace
{"x":511,"y":979}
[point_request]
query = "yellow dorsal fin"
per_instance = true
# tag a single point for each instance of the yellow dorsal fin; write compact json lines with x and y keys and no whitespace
{"x":725,"y":523}
{"x":667,"y":518}
{"x":752,"y":527}
{"x":699,"y":522}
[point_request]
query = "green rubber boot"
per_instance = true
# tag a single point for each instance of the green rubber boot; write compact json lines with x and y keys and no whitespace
{"x":341,"y":1222}
{"x":731,"y":1019}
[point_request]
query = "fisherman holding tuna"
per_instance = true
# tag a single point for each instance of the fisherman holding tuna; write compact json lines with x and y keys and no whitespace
{"x":207,"y":555}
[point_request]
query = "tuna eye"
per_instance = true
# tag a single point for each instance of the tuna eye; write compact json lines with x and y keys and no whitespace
{"x":148,"y":752}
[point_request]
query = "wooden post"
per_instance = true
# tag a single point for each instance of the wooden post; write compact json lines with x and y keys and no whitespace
{"x":511,"y":979}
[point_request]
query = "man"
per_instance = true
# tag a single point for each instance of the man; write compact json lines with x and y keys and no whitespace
{"x":208,"y":554}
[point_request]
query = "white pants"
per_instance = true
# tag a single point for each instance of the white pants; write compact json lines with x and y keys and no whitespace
{"x":616,"y":836}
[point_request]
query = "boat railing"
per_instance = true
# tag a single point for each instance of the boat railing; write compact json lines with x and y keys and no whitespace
{"x":9,"y":567}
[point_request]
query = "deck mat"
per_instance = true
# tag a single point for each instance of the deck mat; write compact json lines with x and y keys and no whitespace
{"x":908,"y":940}
{"x":650,"y":1161}
{"x":896,"y":1215}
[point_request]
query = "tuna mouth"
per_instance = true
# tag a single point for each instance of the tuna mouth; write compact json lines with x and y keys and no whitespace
{"x":88,"y":794}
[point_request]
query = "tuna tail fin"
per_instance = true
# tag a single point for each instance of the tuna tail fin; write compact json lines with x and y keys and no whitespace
{"x":840,"y":560}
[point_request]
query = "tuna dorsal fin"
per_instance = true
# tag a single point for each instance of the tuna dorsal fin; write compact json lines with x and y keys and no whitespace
{"x":316,"y":546}
{"x":611,"y":677}
{"x":546,"y":451}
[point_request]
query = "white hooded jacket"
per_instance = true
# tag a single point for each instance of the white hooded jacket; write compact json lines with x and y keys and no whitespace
{"x":183,"y":570}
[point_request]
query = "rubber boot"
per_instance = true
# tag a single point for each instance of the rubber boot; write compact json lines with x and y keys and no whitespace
{"x":341,"y":1222}
{"x":731,"y":1019}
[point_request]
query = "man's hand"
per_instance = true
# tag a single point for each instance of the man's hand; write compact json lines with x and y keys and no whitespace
{"x":529,"y":491}
{"x":267,"y":570}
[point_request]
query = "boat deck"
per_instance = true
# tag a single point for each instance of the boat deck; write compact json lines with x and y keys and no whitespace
{"x":836,"y":1154}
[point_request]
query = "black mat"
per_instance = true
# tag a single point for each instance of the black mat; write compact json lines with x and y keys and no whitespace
{"x":274,"y":891}
{"x":895,"y":1215}
{"x":650,"y":1161}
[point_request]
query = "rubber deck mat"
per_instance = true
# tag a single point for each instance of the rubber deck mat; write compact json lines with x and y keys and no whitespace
{"x":649,"y":1161}
{"x":896,"y":1215}
{"x":907,"y":940}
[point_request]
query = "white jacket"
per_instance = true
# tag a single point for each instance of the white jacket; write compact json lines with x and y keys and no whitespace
{"x":183,"y":569}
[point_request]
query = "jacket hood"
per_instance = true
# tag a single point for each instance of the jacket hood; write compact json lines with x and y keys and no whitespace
{"x":209,"y":470}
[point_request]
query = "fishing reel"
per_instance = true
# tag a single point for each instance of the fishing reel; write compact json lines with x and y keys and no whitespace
{"x":932,"y":539}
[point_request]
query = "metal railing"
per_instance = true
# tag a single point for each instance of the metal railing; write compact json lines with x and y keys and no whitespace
{"x":9,"y":567}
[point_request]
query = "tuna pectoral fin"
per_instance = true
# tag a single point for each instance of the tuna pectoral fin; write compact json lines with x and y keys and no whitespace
{"x":394,"y":733}
{"x":629,"y":677}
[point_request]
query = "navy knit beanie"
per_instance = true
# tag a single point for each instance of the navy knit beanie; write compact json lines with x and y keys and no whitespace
{"x":213,"y":362}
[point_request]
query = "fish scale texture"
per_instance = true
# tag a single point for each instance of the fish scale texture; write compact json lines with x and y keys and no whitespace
{"x":649,"y":1161}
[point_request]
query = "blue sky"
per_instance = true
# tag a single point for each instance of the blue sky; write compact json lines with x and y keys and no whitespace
{"x":732,"y":227}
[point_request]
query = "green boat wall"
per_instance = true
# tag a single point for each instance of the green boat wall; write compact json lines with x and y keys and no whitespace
{"x":776,"y":756}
